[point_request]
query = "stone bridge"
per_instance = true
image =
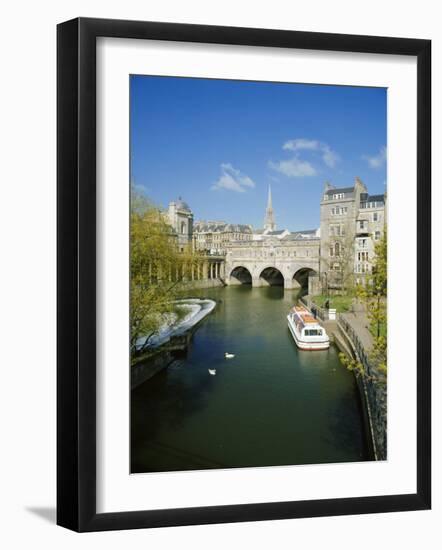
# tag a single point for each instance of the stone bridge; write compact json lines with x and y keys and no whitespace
{"x":293,"y":264}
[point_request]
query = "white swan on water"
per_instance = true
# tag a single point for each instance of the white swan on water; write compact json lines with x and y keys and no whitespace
{"x":212,"y":372}
{"x":229,"y":355}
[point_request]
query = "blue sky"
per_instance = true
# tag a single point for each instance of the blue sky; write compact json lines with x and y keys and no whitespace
{"x":219,"y":143}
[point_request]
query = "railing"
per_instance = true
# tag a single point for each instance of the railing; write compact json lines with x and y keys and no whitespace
{"x":359,"y":347}
{"x":203,"y":254}
{"x":375,"y":392}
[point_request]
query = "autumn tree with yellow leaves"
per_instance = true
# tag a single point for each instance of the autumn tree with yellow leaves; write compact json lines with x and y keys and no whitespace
{"x":157,"y":268}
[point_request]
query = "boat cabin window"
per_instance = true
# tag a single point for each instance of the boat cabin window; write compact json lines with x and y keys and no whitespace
{"x":313,"y":332}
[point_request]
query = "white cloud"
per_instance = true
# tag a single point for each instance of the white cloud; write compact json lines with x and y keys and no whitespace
{"x":377,"y":161}
{"x":329,"y":156}
{"x":301,"y":143}
{"x":298,"y":167}
{"x":294,"y":167}
{"x":233,"y":180}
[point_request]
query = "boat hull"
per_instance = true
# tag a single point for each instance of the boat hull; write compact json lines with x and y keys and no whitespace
{"x":303,"y":344}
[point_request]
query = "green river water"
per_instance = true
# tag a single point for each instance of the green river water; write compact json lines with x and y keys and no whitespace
{"x":271,"y":405}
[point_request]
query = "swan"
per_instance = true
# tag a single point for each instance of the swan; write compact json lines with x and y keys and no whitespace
{"x":212,"y":372}
{"x":229,"y":355}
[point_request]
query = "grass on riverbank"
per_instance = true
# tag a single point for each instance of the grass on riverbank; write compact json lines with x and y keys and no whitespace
{"x":342,"y":304}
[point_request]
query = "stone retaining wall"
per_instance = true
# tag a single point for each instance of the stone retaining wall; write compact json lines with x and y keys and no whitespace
{"x":200,"y":284}
{"x":146,"y":368}
{"x":374,"y":393}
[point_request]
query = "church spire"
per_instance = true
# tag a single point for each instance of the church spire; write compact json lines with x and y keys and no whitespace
{"x":269,"y":221}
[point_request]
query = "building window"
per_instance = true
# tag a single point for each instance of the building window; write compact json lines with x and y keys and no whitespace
{"x":183,"y":227}
{"x":339,"y":211}
{"x":362,"y":268}
{"x":337,"y":249}
{"x":337,"y":230}
{"x":375,"y":216}
{"x":377,"y":235}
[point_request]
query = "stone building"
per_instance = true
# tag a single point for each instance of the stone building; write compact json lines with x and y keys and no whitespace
{"x":180,"y":217}
{"x":340,"y":251}
{"x":352,"y":221}
{"x":213,"y":236}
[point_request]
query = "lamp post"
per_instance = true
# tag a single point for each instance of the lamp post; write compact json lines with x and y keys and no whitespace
{"x":326,"y":283}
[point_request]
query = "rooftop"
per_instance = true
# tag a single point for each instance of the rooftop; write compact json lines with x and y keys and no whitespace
{"x":339,"y":190}
{"x":377,"y":198}
{"x":367,"y":200}
{"x":299,"y":235}
{"x":220,"y":227}
{"x":181,"y":205}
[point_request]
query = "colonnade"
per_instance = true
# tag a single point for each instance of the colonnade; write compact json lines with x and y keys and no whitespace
{"x":210,"y":268}
{"x":214,"y":269}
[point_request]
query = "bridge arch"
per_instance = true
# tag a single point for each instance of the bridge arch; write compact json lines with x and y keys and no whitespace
{"x":240,"y":275}
{"x":271,"y":276}
{"x":301,"y":277}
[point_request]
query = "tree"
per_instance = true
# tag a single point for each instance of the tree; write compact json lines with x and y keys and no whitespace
{"x":377,"y":310}
{"x":374,"y":293}
{"x":153,"y":253}
{"x":157,"y":269}
{"x":352,"y":364}
{"x":338,"y":258}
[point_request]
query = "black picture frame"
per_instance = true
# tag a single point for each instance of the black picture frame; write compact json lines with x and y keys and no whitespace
{"x":77,"y":287}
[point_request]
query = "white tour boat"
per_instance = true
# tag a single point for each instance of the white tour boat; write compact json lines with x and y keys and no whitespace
{"x":306,"y":331}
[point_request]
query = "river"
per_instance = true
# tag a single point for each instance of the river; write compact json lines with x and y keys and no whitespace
{"x":270,"y":405}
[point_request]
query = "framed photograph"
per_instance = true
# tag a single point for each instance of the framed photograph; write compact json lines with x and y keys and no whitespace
{"x":243,"y":274}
